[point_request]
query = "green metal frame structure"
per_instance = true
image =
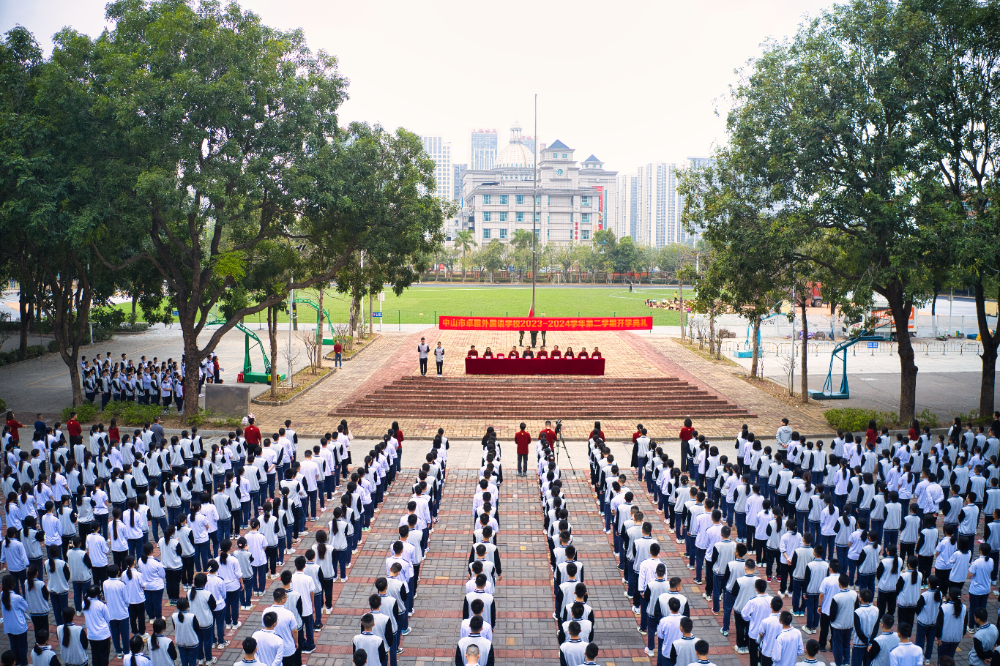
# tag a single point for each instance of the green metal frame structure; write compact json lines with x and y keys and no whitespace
{"x":248,"y":374}
{"x":315,"y":306}
{"x":840,"y":351}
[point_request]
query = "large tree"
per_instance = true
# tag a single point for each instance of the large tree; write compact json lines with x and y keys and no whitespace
{"x":960,"y":118}
{"x":227,"y":139}
{"x":830,"y":122}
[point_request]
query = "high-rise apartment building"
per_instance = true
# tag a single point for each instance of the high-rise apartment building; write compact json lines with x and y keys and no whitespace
{"x":649,"y":207}
{"x":439,"y":150}
{"x":459,"y":171}
{"x":484,"y":149}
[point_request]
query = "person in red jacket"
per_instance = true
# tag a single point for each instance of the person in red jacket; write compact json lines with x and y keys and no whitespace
{"x":523,"y":440}
{"x":74,"y":429}
{"x":583,"y":353}
{"x":13,"y":424}
{"x":596,"y":353}
{"x":338,"y":355}
{"x":556,"y":353}
{"x":548,"y":434}
{"x":252,"y":433}
{"x":687,"y":432}
{"x":472,"y":353}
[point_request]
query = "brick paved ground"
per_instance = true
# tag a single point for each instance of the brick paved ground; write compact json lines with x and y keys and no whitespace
{"x":628,"y":355}
{"x":525,"y":631}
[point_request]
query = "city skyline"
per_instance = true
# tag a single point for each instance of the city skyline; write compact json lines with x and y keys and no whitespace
{"x":596,"y":77}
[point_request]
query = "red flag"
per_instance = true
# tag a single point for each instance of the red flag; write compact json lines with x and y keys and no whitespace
{"x":531,"y":311}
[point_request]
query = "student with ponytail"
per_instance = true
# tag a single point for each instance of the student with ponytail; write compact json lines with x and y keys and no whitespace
{"x":153,"y":577}
{"x":269,"y":528}
{"x":185,"y":538}
{"x":16,"y":558}
{"x":162,"y":651}
{"x":135,"y":656}
{"x":868,"y":566}
{"x":98,"y":621}
{"x":960,"y":561}
{"x":341,"y":530}
{"x":203,"y":605}
{"x":187,"y":633}
{"x":36,"y":593}
{"x":981,"y":571}
{"x":951,"y":625}
{"x":72,"y":639}
{"x":908,"y":592}
{"x":232,"y":575}
{"x":888,"y":577}
{"x":59,"y":579}
{"x":14,"y":610}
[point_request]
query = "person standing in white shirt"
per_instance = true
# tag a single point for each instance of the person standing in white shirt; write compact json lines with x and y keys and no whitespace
{"x":439,"y":359}
{"x":310,"y":472}
{"x":422,"y":351}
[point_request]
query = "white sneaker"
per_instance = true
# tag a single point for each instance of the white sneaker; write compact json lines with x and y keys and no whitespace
{"x":237,"y":625}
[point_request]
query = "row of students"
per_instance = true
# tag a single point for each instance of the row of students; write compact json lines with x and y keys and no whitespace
{"x":391,"y":605}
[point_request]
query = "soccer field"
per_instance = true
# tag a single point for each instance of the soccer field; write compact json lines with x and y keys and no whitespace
{"x":420,"y":304}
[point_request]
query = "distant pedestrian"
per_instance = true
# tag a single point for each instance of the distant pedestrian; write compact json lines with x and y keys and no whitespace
{"x":439,"y":358}
{"x":338,"y":355}
{"x":422,"y":351}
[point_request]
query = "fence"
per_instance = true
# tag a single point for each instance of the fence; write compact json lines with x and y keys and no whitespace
{"x":787,"y":349}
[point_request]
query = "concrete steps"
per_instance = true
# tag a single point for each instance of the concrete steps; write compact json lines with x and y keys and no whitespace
{"x":532,"y":397}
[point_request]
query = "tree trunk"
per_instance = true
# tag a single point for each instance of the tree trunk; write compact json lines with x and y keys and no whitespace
{"x":370,"y":319}
{"x":907,"y":367}
{"x":26,"y":308}
{"x":192,"y":359}
{"x":135,"y":301}
{"x":272,"y":338}
{"x":756,"y":346}
{"x":711,"y":331}
{"x":680,"y":291}
{"x":355,"y":314}
{"x":805,"y":352}
{"x":987,"y":384}
{"x":70,"y":315}
{"x":319,"y":331}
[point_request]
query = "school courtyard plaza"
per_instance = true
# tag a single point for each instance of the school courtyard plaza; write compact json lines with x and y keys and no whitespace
{"x":525,"y":631}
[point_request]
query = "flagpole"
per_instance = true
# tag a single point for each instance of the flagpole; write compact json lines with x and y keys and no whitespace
{"x":534,"y":213}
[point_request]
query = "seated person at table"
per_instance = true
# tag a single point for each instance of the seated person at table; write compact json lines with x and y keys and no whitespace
{"x":488,"y":353}
{"x":513,"y":352}
{"x":595,"y":353}
{"x":543,"y":352}
{"x":528,"y":353}
{"x":569,"y":352}
{"x":556,"y":353}
{"x":583,"y":353}
{"x":472,"y":353}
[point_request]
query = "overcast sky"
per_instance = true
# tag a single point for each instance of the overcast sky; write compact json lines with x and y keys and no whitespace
{"x":630,"y":81}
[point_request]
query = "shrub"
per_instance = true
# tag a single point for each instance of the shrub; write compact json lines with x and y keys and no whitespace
{"x":53,"y":346}
{"x":3,"y":405}
{"x":853,"y":419}
{"x":130,"y":413}
{"x":85,"y":413}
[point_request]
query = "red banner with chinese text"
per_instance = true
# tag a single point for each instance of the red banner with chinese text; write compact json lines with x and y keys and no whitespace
{"x":449,"y":323}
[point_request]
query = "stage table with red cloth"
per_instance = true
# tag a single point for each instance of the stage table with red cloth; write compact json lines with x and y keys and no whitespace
{"x":534,"y":366}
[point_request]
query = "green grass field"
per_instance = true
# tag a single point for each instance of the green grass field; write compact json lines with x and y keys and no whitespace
{"x":420,"y":304}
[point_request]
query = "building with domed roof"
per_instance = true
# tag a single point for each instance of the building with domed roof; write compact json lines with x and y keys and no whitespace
{"x":573,"y":199}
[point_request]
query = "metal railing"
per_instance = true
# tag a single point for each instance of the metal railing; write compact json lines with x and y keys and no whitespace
{"x":819,"y":348}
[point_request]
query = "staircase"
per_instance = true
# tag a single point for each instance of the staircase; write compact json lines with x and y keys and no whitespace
{"x":536,"y":398}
